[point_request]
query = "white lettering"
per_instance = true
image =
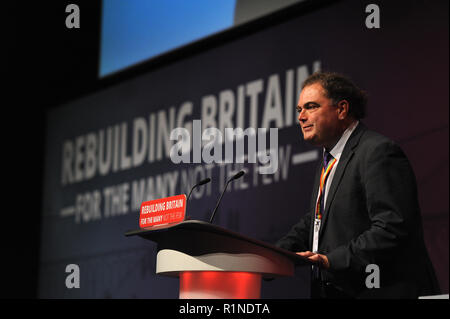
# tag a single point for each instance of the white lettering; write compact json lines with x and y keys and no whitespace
{"x":126,"y":145}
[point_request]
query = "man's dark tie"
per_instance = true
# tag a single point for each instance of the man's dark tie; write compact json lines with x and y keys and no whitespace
{"x":327,"y":157}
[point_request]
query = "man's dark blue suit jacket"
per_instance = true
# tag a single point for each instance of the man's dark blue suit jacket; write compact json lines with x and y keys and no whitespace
{"x":372,"y":216}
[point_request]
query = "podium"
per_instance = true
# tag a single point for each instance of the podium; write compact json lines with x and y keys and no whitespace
{"x":213,"y":262}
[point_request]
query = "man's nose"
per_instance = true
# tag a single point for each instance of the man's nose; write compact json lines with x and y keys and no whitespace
{"x":302,"y":116}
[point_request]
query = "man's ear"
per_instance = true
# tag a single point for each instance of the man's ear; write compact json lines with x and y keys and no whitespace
{"x":343,"y":109}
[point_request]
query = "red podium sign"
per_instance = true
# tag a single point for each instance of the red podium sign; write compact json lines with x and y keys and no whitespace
{"x":162,"y":211}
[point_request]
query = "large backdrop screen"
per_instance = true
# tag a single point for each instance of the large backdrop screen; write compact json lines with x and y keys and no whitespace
{"x":133,"y":31}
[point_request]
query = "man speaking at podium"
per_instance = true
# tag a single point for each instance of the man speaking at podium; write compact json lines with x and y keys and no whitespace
{"x":364,"y":211}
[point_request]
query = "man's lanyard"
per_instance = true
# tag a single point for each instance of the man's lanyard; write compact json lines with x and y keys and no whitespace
{"x":319,"y":210}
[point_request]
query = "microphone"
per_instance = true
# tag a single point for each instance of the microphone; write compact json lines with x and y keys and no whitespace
{"x":236,"y":176}
{"x":202,"y":182}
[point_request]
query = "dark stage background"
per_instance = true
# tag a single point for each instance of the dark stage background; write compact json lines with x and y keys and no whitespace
{"x":58,"y":101}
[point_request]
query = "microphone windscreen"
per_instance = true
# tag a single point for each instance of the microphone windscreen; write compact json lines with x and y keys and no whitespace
{"x":238,"y":175}
{"x":204,"y":181}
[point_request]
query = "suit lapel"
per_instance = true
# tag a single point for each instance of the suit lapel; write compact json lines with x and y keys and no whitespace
{"x":346,"y":156}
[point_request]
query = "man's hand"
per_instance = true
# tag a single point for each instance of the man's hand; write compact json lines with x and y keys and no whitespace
{"x":319,"y":259}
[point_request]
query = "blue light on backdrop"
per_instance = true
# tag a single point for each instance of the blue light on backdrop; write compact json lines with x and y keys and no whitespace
{"x":136,"y":30}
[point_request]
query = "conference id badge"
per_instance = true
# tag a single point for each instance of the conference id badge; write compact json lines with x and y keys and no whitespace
{"x":316,"y":235}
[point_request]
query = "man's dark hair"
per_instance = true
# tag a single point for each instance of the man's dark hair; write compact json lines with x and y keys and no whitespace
{"x":338,"y":87}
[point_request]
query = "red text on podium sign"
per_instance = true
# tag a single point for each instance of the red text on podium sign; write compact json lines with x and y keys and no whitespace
{"x":162,"y":211}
